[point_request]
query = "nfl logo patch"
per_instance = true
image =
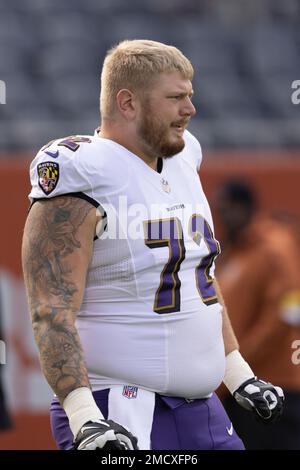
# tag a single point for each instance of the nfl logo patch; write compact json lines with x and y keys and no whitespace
{"x":129,"y":391}
{"x":48,"y":174}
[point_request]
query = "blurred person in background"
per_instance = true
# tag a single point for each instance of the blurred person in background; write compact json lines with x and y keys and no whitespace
{"x":130,"y":325}
{"x":259,"y":275}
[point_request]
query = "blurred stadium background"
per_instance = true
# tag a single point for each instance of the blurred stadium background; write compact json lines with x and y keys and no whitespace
{"x":246,"y":56}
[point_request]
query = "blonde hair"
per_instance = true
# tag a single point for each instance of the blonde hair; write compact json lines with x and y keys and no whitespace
{"x":133,"y":64}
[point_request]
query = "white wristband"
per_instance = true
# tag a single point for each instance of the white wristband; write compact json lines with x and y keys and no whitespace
{"x":237,"y":371}
{"x":80,"y":407}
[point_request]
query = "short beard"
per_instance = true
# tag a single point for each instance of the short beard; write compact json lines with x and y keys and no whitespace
{"x":154,"y":134}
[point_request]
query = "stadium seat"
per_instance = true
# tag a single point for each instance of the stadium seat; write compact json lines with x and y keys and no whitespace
{"x":68,"y":58}
{"x":269,"y":49}
{"x":251,"y":133}
{"x":70,"y":26}
{"x":245,"y":60}
{"x":226,"y":95}
{"x":129,"y":26}
{"x":75,"y":95}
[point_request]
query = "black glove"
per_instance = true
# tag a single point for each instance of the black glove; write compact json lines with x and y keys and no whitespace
{"x":263,"y":398}
{"x":106,"y":435}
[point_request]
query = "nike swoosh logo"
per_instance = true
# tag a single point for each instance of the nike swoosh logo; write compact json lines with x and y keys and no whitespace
{"x":52,"y":154}
{"x":230,"y":430}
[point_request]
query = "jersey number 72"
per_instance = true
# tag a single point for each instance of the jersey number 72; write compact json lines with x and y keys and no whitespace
{"x":167,"y":296}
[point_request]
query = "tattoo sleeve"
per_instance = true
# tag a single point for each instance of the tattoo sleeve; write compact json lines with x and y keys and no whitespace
{"x":56,"y":251}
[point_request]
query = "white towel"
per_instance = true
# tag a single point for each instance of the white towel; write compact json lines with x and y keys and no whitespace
{"x":133,"y":407}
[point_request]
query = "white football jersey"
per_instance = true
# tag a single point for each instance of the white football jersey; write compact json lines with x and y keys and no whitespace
{"x":150,"y":316}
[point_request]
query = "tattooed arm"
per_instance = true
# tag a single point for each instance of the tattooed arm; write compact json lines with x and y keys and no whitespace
{"x":56,"y":251}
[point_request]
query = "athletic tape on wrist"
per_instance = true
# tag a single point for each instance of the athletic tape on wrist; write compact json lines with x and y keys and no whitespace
{"x":237,"y":371}
{"x":80,"y":407}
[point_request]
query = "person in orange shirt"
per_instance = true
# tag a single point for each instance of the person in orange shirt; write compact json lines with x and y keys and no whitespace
{"x":259,"y":274}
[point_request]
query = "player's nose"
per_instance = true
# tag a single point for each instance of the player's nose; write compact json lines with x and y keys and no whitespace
{"x":188,"y":108}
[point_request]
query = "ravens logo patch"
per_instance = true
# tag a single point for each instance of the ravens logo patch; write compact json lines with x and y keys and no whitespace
{"x":48,"y":174}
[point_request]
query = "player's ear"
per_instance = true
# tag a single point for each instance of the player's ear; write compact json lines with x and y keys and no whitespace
{"x":126,"y":103}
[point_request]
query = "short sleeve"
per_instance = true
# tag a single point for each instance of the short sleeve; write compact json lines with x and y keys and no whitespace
{"x":194,"y":149}
{"x":58,"y":170}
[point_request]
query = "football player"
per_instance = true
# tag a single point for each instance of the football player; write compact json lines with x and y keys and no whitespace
{"x":118,"y":257}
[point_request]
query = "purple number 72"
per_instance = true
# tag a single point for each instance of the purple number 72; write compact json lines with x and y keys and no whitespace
{"x":199,"y":229}
{"x":168,"y":232}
